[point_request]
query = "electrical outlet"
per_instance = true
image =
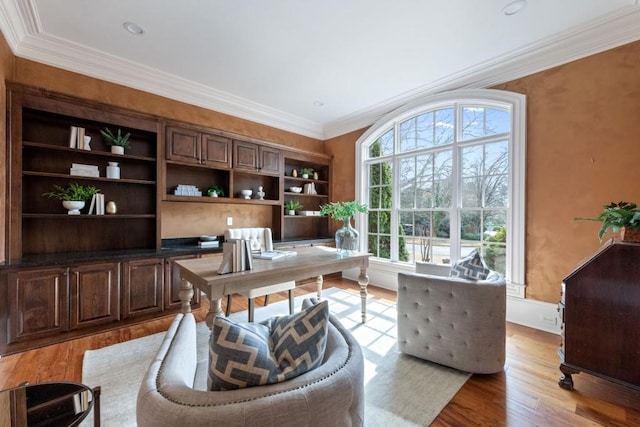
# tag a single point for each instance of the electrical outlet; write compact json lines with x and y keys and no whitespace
{"x":229,"y":220}
{"x":550,"y":321}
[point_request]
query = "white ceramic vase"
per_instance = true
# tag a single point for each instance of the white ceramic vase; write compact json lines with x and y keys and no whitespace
{"x":113,"y":170}
{"x":73,"y":206}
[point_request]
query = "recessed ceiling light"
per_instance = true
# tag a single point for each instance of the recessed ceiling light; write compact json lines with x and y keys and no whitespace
{"x":133,"y":28}
{"x":514,"y":7}
{"x":318,"y":104}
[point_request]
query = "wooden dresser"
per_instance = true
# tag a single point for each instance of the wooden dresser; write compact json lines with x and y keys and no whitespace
{"x":600,"y":310}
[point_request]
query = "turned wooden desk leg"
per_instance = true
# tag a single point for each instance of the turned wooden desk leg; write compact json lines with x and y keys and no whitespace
{"x":363,"y":281}
{"x":319,"y":281}
{"x":215,"y":309}
{"x":185,"y":294}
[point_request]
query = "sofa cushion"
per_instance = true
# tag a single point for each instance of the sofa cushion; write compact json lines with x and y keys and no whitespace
{"x":471,"y":267}
{"x":250,"y":354}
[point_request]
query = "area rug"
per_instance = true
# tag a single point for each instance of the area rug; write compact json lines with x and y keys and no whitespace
{"x":400,"y":390}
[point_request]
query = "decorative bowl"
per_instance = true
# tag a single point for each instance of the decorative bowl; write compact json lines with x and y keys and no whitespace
{"x":295,"y":189}
{"x":246,"y":193}
{"x":208,"y":238}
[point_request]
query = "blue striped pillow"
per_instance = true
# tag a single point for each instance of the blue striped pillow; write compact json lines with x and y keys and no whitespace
{"x":244,"y":355}
{"x":471,"y":267}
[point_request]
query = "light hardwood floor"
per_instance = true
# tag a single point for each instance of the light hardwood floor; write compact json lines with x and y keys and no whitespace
{"x":526,"y":393}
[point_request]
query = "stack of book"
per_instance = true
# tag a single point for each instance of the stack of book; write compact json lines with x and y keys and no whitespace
{"x":97,"y":203}
{"x":84,"y":170}
{"x":77,"y":138}
{"x":209,"y":244}
{"x":236,"y":256}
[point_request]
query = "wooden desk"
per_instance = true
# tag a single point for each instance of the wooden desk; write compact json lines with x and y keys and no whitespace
{"x":309,"y":262}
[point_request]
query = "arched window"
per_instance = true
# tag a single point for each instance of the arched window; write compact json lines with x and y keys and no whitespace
{"x":443,"y":176}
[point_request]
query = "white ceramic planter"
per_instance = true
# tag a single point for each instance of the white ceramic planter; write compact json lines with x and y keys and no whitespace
{"x":117,"y":149}
{"x":73,"y":207}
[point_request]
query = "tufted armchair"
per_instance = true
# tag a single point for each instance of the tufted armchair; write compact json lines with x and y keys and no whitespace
{"x":260,"y":240}
{"x":454,"y":322}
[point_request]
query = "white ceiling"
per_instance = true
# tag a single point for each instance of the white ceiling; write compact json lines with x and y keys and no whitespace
{"x":270,"y":61}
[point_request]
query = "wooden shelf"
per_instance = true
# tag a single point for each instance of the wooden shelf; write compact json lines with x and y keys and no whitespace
{"x":85,"y":216}
{"x":88,"y":178}
{"x":305,"y":180}
{"x":96,"y":153}
{"x":207,"y":199}
{"x":291,"y":193}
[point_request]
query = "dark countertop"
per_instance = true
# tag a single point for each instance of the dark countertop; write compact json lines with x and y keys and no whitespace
{"x":170,"y":247}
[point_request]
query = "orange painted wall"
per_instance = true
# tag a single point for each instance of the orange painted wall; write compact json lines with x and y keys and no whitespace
{"x":583,"y":151}
{"x":343,"y":179}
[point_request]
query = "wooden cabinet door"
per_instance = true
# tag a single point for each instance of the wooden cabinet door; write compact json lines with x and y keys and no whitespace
{"x":174,"y":283}
{"x":245,"y":155}
{"x":142,"y":287}
{"x":215,"y":151}
{"x":38,"y":304}
{"x":270,"y":160}
{"x":183,"y":145}
{"x":95,"y":294}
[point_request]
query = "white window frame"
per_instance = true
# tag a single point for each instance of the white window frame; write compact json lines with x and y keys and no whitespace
{"x":516,"y":103}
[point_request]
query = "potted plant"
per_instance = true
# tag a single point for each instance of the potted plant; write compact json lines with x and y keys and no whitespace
{"x":215,"y":191}
{"x":73,"y":196}
{"x":292,"y":206}
{"x":346,"y":236}
{"x":623,"y":216}
{"x":306,"y":172}
{"x":118,"y":142}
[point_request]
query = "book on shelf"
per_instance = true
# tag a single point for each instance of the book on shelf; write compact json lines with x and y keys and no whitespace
{"x":99,"y":204}
{"x":73,"y":137}
{"x":214,"y":244}
{"x":76,"y":138}
{"x":80,"y":142}
{"x":80,"y":169}
{"x":92,"y":205}
{"x":274,"y":254}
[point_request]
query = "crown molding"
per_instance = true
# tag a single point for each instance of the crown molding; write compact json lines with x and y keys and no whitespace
{"x":24,"y":36}
{"x":608,"y":32}
{"x":22,"y":30}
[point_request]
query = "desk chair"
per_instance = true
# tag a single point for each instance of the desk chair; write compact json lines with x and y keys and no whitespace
{"x":260,"y":239}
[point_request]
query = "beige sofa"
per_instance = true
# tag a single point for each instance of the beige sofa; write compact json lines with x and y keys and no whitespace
{"x":173,"y":391}
{"x":450,"y":321}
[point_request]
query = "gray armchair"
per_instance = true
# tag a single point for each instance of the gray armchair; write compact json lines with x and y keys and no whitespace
{"x":454,"y":322}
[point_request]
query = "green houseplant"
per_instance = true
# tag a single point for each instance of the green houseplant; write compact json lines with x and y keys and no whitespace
{"x":306,"y":172}
{"x":73,"y":196}
{"x":215,"y":191}
{"x":617,"y":216}
{"x":346,"y":236}
{"x":118,"y":142}
{"x":291,"y":206}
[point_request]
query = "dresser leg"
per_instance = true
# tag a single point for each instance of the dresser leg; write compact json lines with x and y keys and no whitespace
{"x":566,"y":381}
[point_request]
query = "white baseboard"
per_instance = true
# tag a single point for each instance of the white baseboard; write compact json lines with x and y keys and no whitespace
{"x":527,"y":312}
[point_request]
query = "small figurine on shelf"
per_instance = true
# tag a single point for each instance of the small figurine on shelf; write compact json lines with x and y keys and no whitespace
{"x":315,"y":175}
{"x":260,"y":193}
{"x":294,"y":173}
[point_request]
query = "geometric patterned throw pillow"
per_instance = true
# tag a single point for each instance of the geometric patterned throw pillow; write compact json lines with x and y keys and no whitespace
{"x":244,"y":355}
{"x":471,"y":267}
